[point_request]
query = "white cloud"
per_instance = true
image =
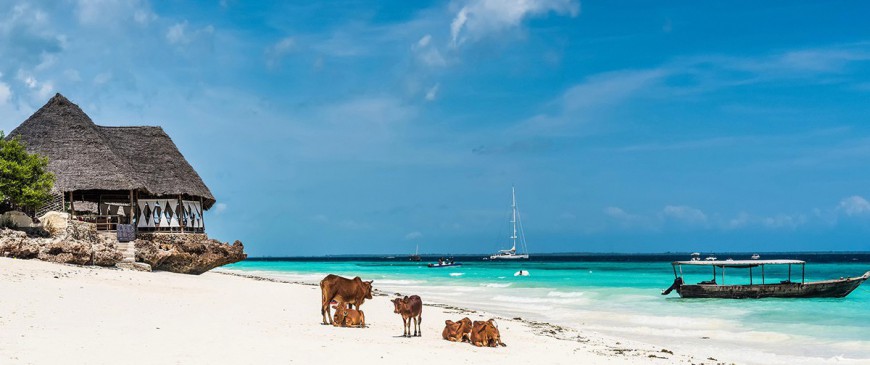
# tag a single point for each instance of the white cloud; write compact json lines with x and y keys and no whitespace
{"x":5,"y":93}
{"x":478,"y":19}
{"x":585,"y":101}
{"x":629,"y":220}
{"x":107,"y":12}
{"x":220,"y":208}
{"x":279,"y":49}
{"x":41,"y":90}
{"x":423,"y":42}
{"x":684,"y":214}
{"x":779,"y":221}
{"x":177,"y":34}
{"x":432,"y":93}
{"x":414,"y":235}
{"x":854,"y":205}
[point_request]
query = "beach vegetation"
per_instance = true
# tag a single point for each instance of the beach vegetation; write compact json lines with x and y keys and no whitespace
{"x":25,"y":182}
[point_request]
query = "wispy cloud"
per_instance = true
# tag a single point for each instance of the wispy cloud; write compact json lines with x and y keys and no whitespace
{"x":179,"y":34}
{"x":684,"y":214}
{"x":275,"y":52}
{"x":111,"y":12}
{"x":478,"y":19}
{"x":854,"y":205}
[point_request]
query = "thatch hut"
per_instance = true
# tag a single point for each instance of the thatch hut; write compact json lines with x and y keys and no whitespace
{"x":115,"y":175}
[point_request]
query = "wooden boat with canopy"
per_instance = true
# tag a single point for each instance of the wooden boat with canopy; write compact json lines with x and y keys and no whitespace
{"x":835,"y":288}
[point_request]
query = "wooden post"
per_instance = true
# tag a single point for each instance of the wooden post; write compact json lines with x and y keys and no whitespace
{"x":714,"y":273}
{"x":803,"y":272}
{"x":179,"y":217}
{"x":202,"y":217}
{"x":132,"y":209}
{"x":723,"y":275}
{"x":750,"y":275}
{"x":72,"y":204}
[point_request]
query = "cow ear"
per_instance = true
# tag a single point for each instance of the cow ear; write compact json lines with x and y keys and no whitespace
{"x":370,"y":282}
{"x":406,"y":298}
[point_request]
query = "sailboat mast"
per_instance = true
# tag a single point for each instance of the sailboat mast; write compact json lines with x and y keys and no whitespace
{"x":514,"y":217}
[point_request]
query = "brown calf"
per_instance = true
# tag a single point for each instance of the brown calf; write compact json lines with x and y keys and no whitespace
{"x":457,"y":331}
{"x":411,"y":309}
{"x":352,"y":291}
{"x":485,"y":333}
{"x":346,"y":317}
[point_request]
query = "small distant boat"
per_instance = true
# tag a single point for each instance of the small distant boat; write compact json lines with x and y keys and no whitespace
{"x":416,"y":256}
{"x":710,"y":258}
{"x":696,"y":256}
{"x":444,"y":264}
{"x":521,"y":273}
{"x":756,"y":256}
{"x":836,"y":288}
{"x":512,"y":254}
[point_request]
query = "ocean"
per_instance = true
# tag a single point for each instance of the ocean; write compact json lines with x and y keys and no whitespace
{"x":620,"y":295}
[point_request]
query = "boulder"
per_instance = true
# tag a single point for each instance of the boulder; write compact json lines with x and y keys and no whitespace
{"x":186,"y":253}
{"x":54,"y":223}
{"x":15,"y":218}
{"x":16,"y":244}
{"x":137,"y":266}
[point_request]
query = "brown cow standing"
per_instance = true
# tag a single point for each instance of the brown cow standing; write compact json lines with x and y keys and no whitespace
{"x":457,"y":331}
{"x":485,"y":333}
{"x":351,"y":291}
{"x":411,"y":309}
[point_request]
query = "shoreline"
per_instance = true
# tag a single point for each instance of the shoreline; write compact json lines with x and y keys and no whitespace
{"x":87,"y":315}
{"x":539,"y":328}
{"x":677,"y":332}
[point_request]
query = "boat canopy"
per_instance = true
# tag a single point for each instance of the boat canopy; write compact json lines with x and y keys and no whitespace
{"x":740,"y":263}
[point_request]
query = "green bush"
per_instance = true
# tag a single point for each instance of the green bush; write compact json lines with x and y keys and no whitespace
{"x":25,"y":181}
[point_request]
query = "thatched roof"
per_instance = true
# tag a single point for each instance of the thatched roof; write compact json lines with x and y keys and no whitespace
{"x":85,"y":156}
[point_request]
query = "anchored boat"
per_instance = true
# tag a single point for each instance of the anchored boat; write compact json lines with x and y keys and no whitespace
{"x":835,"y":288}
{"x":512,"y":254}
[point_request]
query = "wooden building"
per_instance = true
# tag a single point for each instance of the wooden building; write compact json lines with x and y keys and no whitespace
{"x":115,"y":175}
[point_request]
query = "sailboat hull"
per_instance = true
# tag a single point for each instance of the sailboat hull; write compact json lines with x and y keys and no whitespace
{"x":509,"y":257}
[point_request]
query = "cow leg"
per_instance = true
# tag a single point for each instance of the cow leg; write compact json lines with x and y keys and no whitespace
{"x":407,"y":323}
{"x":327,"y":315}
{"x":419,"y":322}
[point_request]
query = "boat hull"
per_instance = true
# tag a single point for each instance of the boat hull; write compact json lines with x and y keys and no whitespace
{"x":436,"y":266}
{"x":511,"y":257}
{"x":820,"y":289}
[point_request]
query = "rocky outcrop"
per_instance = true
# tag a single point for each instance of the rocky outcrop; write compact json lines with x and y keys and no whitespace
{"x":186,"y":253}
{"x":80,"y":244}
{"x":61,"y":249}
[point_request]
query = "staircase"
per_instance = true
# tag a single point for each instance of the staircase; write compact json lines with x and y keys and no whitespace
{"x":128,"y":249}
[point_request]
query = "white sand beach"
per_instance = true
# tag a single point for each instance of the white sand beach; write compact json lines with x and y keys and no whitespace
{"x":52,"y":314}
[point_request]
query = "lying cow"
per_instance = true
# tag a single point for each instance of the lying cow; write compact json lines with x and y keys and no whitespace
{"x":346,"y":317}
{"x":457,"y":331}
{"x":411,"y":309}
{"x":351,"y":291}
{"x":485,"y":333}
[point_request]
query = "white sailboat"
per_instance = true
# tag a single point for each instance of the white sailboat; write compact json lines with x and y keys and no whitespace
{"x":515,"y":220}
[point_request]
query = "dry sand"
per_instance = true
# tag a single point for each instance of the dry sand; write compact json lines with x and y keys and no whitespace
{"x":60,"y":314}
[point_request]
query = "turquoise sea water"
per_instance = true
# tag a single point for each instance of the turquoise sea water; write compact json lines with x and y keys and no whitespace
{"x":620,"y":295}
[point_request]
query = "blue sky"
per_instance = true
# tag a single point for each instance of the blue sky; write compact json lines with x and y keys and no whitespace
{"x":371,"y":127}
